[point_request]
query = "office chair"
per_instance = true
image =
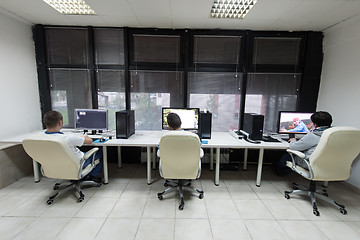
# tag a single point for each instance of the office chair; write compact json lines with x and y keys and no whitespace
{"x":330,"y":161}
{"x":180,"y":163}
{"x":58,"y":161}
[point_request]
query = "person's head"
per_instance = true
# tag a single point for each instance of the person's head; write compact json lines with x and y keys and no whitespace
{"x":174,"y":121}
{"x":296,"y":121}
{"x":321,"y":119}
{"x":53,"y":119}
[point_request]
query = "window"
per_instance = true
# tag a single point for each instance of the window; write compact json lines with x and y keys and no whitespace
{"x":109,"y":46}
{"x":218,"y":93}
{"x":152,"y":90}
{"x":267,"y":94}
{"x":69,"y":89}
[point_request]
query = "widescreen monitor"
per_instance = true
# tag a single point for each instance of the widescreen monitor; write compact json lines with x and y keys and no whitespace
{"x":189,"y":117}
{"x":292,"y":123}
{"x":91,"y":119}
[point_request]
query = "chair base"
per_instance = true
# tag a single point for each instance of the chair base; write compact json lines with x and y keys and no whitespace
{"x":77,"y":184}
{"x":313,"y":194}
{"x":179,"y":185}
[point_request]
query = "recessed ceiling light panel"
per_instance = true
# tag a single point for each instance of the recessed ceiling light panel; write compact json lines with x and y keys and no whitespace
{"x":71,"y":7}
{"x":236,"y":9}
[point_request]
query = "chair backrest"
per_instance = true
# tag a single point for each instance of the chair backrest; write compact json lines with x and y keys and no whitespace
{"x":54,"y":154}
{"x":334,"y":154}
{"x":180,"y":155}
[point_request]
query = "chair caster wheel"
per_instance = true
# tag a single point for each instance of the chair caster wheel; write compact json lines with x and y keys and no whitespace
{"x":343,"y":211}
{"x":160,"y":196}
{"x":201,"y":196}
{"x":49,"y":202}
{"x":316,"y":213}
{"x":56,"y":187}
{"x":80,"y":199}
{"x":181,"y":207}
{"x":287,"y":196}
{"x":166,"y":185}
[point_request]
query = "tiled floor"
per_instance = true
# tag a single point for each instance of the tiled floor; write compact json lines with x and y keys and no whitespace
{"x":128,"y":208}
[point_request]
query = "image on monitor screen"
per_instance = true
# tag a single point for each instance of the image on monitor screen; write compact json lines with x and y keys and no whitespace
{"x":294,"y":122}
{"x":189,"y":117}
{"x":90,"y":119}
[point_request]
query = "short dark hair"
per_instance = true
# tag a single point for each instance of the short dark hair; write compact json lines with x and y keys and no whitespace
{"x":52,"y":118}
{"x":173,"y":120}
{"x":321,"y":119}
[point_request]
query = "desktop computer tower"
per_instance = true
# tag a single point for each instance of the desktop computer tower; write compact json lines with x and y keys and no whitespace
{"x":204,"y":131}
{"x":125,"y":123}
{"x":253,"y":125}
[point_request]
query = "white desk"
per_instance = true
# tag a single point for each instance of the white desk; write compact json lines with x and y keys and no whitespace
{"x":151,"y":139}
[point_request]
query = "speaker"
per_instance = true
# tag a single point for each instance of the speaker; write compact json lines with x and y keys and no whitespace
{"x":205,"y":125}
{"x":125,"y":123}
{"x":253,"y":125}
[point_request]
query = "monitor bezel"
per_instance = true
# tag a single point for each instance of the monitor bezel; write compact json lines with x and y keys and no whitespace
{"x":290,"y":112}
{"x":91,"y":110}
{"x":176,"y":108}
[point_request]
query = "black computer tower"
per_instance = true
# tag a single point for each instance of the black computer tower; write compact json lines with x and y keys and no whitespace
{"x":253,"y":125}
{"x":125,"y":123}
{"x":204,"y":131}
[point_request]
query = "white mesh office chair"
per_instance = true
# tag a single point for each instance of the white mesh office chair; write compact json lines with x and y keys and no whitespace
{"x":331,"y":161}
{"x":180,"y":155}
{"x":58,"y":161}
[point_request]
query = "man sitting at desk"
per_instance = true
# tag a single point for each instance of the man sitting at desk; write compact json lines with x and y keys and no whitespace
{"x":53,"y":122}
{"x":307,"y":144}
{"x":174,"y":123}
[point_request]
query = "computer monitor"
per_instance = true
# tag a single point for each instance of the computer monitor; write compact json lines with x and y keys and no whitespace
{"x":189,"y":117}
{"x":91,"y":119}
{"x":291,"y":122}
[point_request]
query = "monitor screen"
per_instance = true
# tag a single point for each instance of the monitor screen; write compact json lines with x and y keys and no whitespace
{"x":294,"y":122}
{"x":189,"y":117}
{"x":91,"y":119}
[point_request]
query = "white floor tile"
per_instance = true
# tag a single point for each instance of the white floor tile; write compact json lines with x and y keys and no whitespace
{"x":336,"y":230}
{"x":156,"y":229}
{"x":253,"y":209}
{"x":187,"y":229}
{"x":299,"y":230}
{"x":225,"y":229}
{"x":81,"y":228}
{"x":124,"y":229}
{"x":265,"y":229}
{"x":128,"y":208}
{"x":221,"y":208}
{"x":11,"y":226}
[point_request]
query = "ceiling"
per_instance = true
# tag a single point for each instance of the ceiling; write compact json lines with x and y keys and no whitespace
{"x":288,"y":15}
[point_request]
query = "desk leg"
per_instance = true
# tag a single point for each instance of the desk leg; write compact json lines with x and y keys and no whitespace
{"x":259,"y":170}
{"x":245,"y":158}
{"x":154,"y":157}
{"x":148,"y":162}
{"x":217,"y":167}
{"x":36,"y":171}
{"x":105,"y":165}
{"x":119,"y":157}
{"x":211,"y":159}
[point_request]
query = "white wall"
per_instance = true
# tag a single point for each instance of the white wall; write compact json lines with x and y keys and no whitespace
{"x":340,"y":84}
{"x":19,"y":94}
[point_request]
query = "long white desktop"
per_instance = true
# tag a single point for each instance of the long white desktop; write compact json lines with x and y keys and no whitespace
{"x":151,"y":139}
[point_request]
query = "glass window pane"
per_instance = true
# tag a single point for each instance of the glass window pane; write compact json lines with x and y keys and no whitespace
{"x":267,"y":94}
{"x":150,"y":91}
{"x":72,"y":49}
{"x":218,"y":93}
{"x":111,"y":93}
{"x":109,"y":46}
{"x":217,"y":49}
{"x":69,"y":89}
{"x":282,"y":51}
{"x":155,"y":48}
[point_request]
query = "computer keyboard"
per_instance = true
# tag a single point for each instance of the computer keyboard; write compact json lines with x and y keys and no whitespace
{"x":269,"y":139}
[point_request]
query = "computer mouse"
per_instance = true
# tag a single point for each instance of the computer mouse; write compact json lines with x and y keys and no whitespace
{"x":102,"y":139}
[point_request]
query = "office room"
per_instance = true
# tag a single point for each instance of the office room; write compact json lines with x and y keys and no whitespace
{"x":127,"y":207}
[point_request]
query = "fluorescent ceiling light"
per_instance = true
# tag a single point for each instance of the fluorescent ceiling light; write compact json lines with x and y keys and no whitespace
{"x":236,"y":9}
{"x":71,"y":7}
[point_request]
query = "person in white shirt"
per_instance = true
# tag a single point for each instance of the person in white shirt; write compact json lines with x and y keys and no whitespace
{"x":53,"y":122}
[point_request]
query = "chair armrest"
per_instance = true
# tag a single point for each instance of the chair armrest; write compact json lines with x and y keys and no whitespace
{"x":89,"y":153}
{"x":297,"y":153}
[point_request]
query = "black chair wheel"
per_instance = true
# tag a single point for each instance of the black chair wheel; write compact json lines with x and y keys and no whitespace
{"x":80,"y":199}
{"x":287,"y":196}
{"x":56,"y":187}
{"x":160,"y":196}
{"x":343,"y":211}
{"x":181,"y":207}
{"x":316,"y":213}
{"x":166,"y":184}
{"x":201,"y":195}
{"x":49,"y":202}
